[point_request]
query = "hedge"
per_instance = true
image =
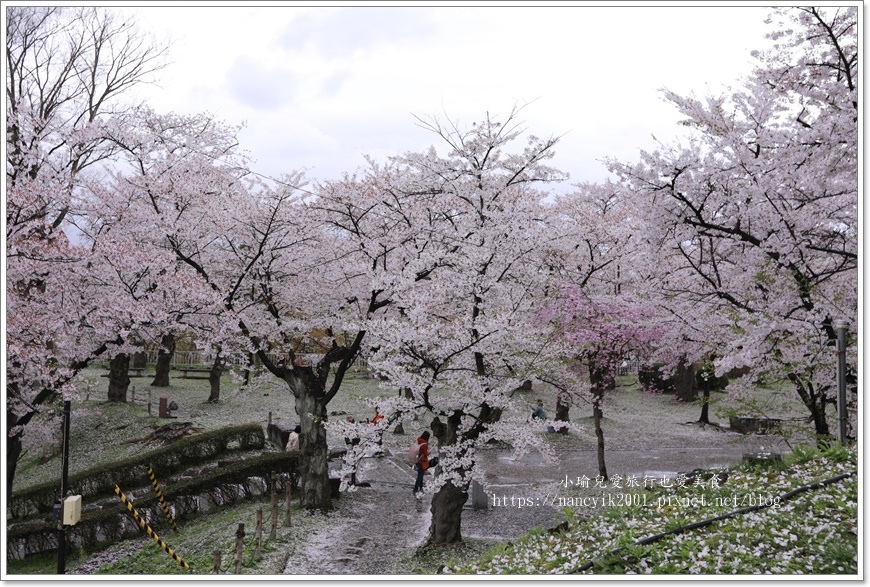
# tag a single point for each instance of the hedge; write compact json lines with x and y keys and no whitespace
{"x":113,"y":523}
{"x":132,"y":472}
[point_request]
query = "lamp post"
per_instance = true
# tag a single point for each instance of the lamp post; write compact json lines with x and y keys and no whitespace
{"x":840,"y":327}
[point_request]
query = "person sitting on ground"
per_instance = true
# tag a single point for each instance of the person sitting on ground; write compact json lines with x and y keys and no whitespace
{"x":422,"y":464}
{"x":293,"y":439}
{"x":539,"y":412}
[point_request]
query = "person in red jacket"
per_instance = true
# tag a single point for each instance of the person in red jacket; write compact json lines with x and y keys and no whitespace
{"x":378,"y":417}
{"x":422,"y":463}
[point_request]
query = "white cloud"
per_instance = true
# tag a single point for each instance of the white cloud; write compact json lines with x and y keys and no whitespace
{"x":258,"y":86}
{"x":337,"y":33}
{"x":319,"y":86}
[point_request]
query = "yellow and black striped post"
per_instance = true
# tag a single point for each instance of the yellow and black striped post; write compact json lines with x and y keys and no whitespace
{"x":148,"y":529}
{"x":161,"y":499}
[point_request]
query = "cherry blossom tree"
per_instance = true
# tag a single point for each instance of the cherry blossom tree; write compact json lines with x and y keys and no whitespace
{"x":66,"y":71}
{"x":597,"y":256}
{"x":465,"y":337}
{"x":755,"y":217}
{"x":601,"y":333}
{"x":275,"y":270}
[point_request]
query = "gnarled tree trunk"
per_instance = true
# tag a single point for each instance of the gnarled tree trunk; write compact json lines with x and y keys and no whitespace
{"x":164,"y":361}
{"x":314,"y":470}
{"x":597,"y":415}
{"x":119,"y":378}
{"x":815,"y":402}
{"x":447,"y":504}
{"x":705,"y":407}
{"x":684,"y":382}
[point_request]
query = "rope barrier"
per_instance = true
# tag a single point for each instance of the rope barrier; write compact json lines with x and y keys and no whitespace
{"x":148,"y":529}
{"x":161,"y":499}
{"x":704,"y":523}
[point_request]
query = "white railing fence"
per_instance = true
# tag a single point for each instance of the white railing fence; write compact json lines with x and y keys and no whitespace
{"x":190,"y":358}
{"x":628,"y":368}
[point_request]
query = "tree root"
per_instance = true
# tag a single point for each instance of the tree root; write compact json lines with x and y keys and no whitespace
{"x":168,"y":433}
{"x":703,"y":425}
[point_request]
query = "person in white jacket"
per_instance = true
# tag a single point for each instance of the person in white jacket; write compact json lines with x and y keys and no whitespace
{"x":293,"y":439}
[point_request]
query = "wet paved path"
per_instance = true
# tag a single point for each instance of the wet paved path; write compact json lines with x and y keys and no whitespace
{"x":376,"y":525}
{"x":371,"y":527}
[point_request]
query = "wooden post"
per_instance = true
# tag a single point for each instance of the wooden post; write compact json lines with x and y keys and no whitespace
{"x":133,"y":394}
{"x":259,"y":533}
{"x":240,"y":546}
{"x":216,"y":563}
{"x":149,"y":401}
{"x":289,"y":499}
{"x":274,"y":531}
{"x":270,"y":418}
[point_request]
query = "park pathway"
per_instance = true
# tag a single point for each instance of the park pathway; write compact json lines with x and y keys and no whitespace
{"x":372,"y":528}
{"x":377,"y":526}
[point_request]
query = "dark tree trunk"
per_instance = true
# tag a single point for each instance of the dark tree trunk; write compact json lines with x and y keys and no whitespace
{"x":562,"y":407}
{"x":311,"y":409}
{"x":446,"y":433}
{"x":13,"y":453}
{"x":705,"y":407}
{"x":312,"y":391}
{"x":214,"y":379}
{"x":248,"y":368}
{"x":140,"y":360}
{"x":491,"y":416}
{"x":597,"y":415}
{"x":447,"y":503}
{"x":601,"y":378}
{"x":14,"y":444}
{"x":815,"y":403}
{"x":164,"y":361}
{"x":119,"y":378}
{"x":820,"y":420}
{"x":684,"y":383}
{"x":446,"y":511}
{"x":408,"y":395}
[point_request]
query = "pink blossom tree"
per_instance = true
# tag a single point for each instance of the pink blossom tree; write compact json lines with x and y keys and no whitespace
{"x":600,"y":333}
{"x":754,"y":220}
{"x":598,"y":256}
{"x":66,"y":71}
{"x":276,"y":270}
{"x":465,"y":336}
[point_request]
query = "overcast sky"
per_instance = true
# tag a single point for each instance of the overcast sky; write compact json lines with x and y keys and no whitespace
{"x":318,"y":87}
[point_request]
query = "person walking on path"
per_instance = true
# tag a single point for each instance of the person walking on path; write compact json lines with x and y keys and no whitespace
{"x":378,"y":416}
{"x":379,"y":452}
{"x":422,"y":463}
